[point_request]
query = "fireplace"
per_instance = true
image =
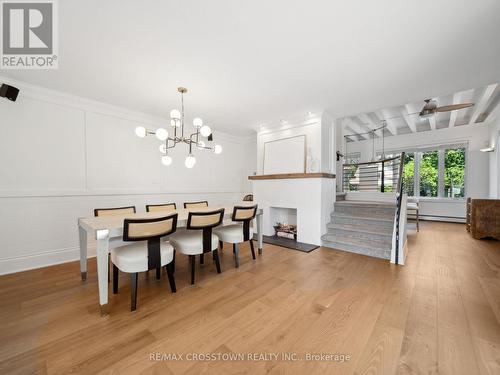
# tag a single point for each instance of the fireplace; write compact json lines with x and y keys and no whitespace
{"x":284,"y":221}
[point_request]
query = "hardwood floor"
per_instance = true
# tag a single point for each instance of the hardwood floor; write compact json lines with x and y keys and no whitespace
{"x":438,"y":314}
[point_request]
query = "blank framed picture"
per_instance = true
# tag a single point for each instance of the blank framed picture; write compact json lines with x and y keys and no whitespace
{"x":286,"y":155}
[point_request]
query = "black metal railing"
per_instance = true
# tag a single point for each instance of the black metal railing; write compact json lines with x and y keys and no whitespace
{"x":399,"y":199}
{"x":381,"y":175}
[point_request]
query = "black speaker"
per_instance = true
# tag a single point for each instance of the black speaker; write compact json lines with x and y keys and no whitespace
{"x":9,"y":92}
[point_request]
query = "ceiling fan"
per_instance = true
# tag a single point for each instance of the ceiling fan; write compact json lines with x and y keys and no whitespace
{"x":431,"y":107}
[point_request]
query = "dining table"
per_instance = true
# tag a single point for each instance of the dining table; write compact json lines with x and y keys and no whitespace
{"x":108,"y":233}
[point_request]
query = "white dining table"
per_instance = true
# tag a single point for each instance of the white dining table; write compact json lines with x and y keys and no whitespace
{"x":108,"y":232}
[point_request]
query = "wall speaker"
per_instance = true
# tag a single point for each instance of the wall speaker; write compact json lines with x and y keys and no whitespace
{"x":9,"y":92}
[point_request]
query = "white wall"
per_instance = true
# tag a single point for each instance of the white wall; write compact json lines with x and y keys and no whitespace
{"x":494,"y":140}
{"x":477,"y":181}
{"x":62,"y":156}
{"x":311,"y":129}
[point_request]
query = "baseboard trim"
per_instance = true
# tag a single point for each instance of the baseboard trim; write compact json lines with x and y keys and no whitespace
{"x":40,"y":260}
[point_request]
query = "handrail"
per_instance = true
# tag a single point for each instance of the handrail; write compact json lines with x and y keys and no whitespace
{"x":399,"y":199}
{"x":372,"y":162}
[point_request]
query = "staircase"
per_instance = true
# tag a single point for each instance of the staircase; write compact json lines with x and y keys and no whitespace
{"x":361,"y":227}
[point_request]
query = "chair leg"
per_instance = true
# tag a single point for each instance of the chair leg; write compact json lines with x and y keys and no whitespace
{"x":133,"y":291}
{"x":158,"y":273}
{"x":170,"y":274}
{"x":217,"y":261}
{"x":115,"y":279}
{"x":418,"y":229}
{"x":253,"y":250}
{"x":173,"y":263}
{"x":221,"y":245}
{"x":109,"y":267}
{"x":192,"y":258}
{"x":202,"y":258}
{"x":236,"y":257}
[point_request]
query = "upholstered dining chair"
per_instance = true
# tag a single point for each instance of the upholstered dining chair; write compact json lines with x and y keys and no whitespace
{"x":239,"y":232}
{"x":161,"y":207}
{"x":113,"y":211}
{"x":198,"y":238}
{"x":412,"y":205}
{"x":200,"y":204}
{"x":146,"y":252}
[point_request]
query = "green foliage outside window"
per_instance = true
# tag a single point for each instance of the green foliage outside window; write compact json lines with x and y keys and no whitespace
{"x":454,"y":173}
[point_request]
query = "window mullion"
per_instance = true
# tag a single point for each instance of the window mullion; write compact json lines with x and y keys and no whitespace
{"x":416,"y":173}
{"x":441,"y":173}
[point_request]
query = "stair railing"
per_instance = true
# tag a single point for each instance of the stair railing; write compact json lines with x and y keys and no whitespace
{"x":399,"y":199}
{"x":381,"y":175}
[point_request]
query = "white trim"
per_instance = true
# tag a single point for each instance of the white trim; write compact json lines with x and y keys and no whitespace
{"x":106,"y":192}
{"x":42,"y":259}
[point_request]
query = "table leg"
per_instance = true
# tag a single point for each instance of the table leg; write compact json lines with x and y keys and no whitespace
{"x":83,"y":252}
{"x":103,"y":268}
{"x":259,"y":234}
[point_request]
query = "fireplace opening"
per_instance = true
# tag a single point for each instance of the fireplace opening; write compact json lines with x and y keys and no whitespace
{"x":284,"y":221}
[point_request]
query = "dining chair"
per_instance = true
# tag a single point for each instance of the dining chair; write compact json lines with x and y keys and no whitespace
{"x":161,"y":207}
{"x":146,"y":252}
{"x":201,"y":204}
{"x":198,"y":238}
{"x":113,"y":211}
{"x":412,"y":205}
{"x":239,"y":232}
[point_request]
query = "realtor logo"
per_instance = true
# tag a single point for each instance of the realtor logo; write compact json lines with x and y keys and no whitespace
{"x":29,"y":34}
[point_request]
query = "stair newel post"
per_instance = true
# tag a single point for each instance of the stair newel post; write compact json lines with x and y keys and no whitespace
{"x":383,"y":178}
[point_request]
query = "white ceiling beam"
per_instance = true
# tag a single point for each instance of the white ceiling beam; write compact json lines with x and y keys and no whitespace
{"x":384,"y":115}
{"x":355,"y":128}
{"x":409,"y":119}
{"x":365,"y":119}
{"x":457,"y":99}
{"x":481,"y":104}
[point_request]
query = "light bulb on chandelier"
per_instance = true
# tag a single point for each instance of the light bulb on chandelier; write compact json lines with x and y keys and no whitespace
{"x":166,"y":160}
{"x":197,"y":123}
{"x":161,"y":134}
{"x":217,"y":149}
{"x":205,"y":130}
{"x":190,"y":161}
{"x":140,"y":131}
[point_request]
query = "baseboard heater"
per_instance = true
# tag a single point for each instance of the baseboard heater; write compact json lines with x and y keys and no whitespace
{"x":450,"y":219}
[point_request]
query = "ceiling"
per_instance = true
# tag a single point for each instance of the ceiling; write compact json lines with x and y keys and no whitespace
{"x":405,"y":119}
{"x":248,"y":63}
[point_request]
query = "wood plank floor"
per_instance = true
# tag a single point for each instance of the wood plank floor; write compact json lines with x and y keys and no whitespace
{"x":438,"y":314}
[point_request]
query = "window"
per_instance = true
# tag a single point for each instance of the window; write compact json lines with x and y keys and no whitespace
{"x":428,"y":173}
{"x":435,"y":172}
{"x":454,"y":173}
{"x":409,"y":174}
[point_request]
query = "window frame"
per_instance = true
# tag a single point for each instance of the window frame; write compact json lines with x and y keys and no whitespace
{"x":441,"y":149}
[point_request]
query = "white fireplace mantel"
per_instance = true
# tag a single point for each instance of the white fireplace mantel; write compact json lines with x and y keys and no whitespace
{"x":311,"y":194}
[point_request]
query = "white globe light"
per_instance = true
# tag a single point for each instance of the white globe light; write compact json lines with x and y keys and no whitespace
{"x":175,"y":114}
{"x":205,"y":130}
{"x":161,"y":134}
{"x":197,"y":122}
{"x":190,"y":161}
{"x":163,"y":148}
{"x":166,"y":160}
{"x":201,"y":144}
{"x":140,"y":131}
{"x":217,"y":149}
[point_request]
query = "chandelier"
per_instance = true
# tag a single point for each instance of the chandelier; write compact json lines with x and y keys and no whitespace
{"x":177,"y":124}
